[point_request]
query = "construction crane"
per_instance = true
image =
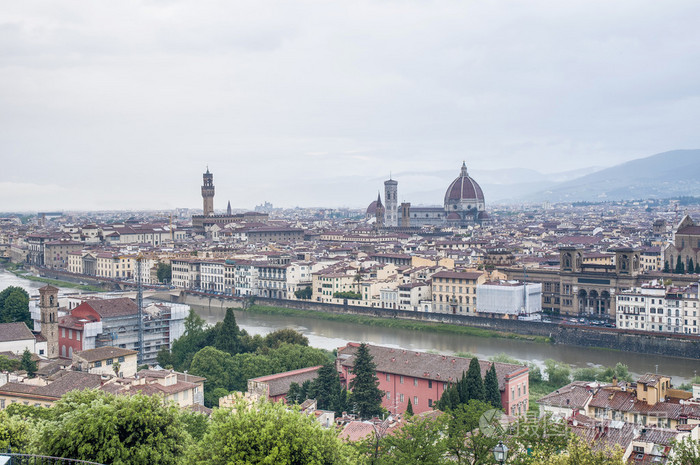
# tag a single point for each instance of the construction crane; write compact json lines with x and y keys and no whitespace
{"x":139,"y":304}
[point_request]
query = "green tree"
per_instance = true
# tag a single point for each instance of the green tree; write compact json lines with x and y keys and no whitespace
{"x":667,"y":268}
{"x":529,"y":433}
{"x":691,"y":266}
{"x":328,"y":388}
{"x":27,"y":364}
{"x":228,"y":334}
{"x":680,"y":268}
{"x":350,"y":295}
{"x":8,"y":364}
{"x":294,"y":394}
{"x":409,"y":408}
{"x":217,"y":367}
{"x":473,"y":430}
{"x":268,"y":433}
{"x":14,"y":306}
{"x":686,"y":452}
{"x":293,"y":357}
{"x":493,"y":394}
{"x":164,"y":272}
{"x":289,"y":336}
{"x":558,"y":374}
{"x":474,"y":384}
{"x":366,"y":398}
{"x":577,"y":452}
{"x":15,"y":433}
{"x":304,"y":294}
{"x":420,"y":441}
{"x":195,"y":423}
{"x":119,"y":430}
{"x":697,"y":268}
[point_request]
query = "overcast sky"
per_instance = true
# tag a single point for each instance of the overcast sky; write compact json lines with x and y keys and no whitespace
{"x":122,"y":105}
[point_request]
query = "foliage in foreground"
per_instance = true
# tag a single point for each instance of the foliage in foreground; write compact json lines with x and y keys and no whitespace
{"x":119,"y":430}
{"x":268,"y":433}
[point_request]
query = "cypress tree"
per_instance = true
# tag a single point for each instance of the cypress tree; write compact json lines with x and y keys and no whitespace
{"x":327,"y":387}
{"x":27,"y":364}
{"x":228,"y":335}
{"x":493,"y":394}
{"x":294,"y":393}
{"x":697,"y":268}
{"x":409,"y":407}
{"x":680,"y":269}
{"x":474,"y":383}
{"x":366,"y":397}
{"x":691,"y":266}
{"x":462,"y":389}
{"x":667,"y":269}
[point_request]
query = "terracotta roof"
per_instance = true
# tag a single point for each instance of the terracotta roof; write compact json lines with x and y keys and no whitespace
{"x":102,"y":353}
{"x":458,"y":274}
{"x":427,"y":366}
{"x":356,"y":430}
{"x":15,"y":332}
{"x":278,"y":384}
{"x":573,"y":396}
{"x":113,"y":308}
{"x":68,"y":381}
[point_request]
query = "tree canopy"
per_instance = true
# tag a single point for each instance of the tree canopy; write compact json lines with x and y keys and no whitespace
{"x":268,"y":433}
{"x":119,"y":430}
{"x":14,"y":306}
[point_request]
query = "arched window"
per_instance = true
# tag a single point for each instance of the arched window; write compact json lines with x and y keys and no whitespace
{"x":70,"y":352}
{"x":63,"y":351}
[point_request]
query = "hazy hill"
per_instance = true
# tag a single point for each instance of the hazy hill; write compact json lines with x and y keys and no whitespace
{"x":663,"y":175}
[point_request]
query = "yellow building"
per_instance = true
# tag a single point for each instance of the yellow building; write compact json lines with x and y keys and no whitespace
{"x":455,"y":291}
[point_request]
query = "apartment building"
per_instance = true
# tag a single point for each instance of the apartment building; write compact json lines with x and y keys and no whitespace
{"x":455,"y":291}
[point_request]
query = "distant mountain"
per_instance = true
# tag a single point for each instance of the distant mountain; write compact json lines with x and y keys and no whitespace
{"x":662,"y":175}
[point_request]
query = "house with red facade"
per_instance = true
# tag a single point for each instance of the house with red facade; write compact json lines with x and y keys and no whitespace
{"x":423,"y":377}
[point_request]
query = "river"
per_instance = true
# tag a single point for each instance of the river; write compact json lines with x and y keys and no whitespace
{"x":330,"y":335}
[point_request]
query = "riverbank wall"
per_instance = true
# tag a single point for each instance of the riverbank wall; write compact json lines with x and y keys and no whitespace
{"x":577,"y":335}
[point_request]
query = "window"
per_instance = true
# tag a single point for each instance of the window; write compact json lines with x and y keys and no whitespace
{"x":98,"y":364}
{"x":120,"y":359}
{"x":63,"y":332}
{"x":109,"y":361}
{"x":415,"y":381}
{"x":401,"y":379}
{"x":388,"y":395}
{"x":401,"y":398}
{"x":430,"y":384}
{"x":388,"y":377}
{"x":415,"y":400}
{"x":77,"y":335}
{"x":430,"y":402}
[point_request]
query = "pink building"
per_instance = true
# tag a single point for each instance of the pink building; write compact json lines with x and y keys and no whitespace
{"x":423,"y":377}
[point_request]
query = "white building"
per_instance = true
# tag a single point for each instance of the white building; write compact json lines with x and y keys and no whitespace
{"x":212,"y":275}
{"x":509,"y":298}
{"x":412,"y":294}
{"x":15,"y":337}
{"x":641,"y":308}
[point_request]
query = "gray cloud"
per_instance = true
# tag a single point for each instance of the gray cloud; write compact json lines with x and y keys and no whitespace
{"x":123,"y":104}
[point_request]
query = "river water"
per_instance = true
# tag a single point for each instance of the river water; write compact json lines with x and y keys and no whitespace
{"x":330,"y":335}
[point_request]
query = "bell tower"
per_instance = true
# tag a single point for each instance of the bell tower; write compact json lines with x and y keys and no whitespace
{"x":48,"y":304}
{"x":208,"y":193}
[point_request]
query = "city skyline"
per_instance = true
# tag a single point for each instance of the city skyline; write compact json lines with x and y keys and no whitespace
{"x":107,"y":108}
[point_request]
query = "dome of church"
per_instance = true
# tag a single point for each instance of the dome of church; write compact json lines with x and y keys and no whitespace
{"x":464,"y":188}
{"x":372,"y":209}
